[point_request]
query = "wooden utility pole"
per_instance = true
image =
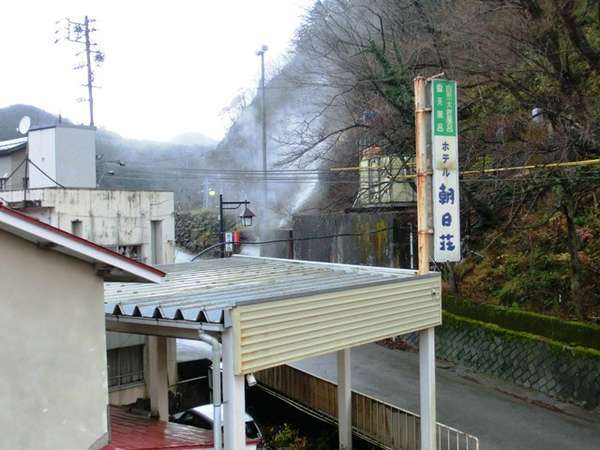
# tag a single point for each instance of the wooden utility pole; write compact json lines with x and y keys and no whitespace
{"x":425,"y":231}
{"x":263,"y":108}
{"x":423,"y":167}
{"x":81,"y":33}
{"x":90,"y":75}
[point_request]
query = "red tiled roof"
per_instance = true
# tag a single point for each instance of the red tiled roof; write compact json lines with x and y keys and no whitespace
{"x":131,"y":432}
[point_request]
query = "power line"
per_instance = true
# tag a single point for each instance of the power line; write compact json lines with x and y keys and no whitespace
{"x":348,"y":170}
{"x":588,"y":162}
{"x":308,"y":238}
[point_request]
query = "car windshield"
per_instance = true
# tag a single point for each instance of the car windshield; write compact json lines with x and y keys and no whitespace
{"x":251,"y":430}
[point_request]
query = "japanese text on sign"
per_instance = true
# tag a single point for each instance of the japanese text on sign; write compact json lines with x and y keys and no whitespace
{"x":445,"y":184}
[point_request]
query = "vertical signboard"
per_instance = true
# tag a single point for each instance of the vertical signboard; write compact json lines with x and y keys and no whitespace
{"x":229,"y":242}
{"x":445,"y":184}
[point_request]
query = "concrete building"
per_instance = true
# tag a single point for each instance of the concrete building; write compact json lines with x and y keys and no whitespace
{"x":137,"y":224}
{"x":58,"y":155}
{"x":53,"y":379}
{"x":383,"y":181}
{"x":50,"y":175}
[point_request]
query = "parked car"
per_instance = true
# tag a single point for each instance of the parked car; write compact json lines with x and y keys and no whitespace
{"x":202,"y":417}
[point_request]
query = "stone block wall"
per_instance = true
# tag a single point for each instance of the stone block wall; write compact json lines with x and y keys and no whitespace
{"x":561,"y":371}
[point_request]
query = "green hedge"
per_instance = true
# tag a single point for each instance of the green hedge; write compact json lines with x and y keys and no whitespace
{"x":565,"y":331}
{"x":450,"y":320}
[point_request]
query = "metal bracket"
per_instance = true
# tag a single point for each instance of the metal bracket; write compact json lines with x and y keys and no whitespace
{"x":227,"y":321}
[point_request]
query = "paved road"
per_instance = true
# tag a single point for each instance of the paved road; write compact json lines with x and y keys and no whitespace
{"x":500,"y":421}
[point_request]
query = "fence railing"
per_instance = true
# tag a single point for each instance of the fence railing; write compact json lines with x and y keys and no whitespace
{"x":378,"y":422}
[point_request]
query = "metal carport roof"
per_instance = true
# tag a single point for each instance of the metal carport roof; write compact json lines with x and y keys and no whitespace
{"x":275,"y":310}
{"x":201,"y":291}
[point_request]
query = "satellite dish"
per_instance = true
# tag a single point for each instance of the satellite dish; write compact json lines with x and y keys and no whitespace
{"x":24,"y":124}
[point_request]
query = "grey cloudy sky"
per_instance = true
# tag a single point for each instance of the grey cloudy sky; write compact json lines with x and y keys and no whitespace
{"x":171,"y":66}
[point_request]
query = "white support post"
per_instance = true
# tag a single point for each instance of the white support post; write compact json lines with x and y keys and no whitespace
{"x":344,"y":399}
{"x":158,"y":377}
{"x":427,"y":388}
{"x":171,"y":344}
{"x":234,"y":398}
{"x":425,"y":230}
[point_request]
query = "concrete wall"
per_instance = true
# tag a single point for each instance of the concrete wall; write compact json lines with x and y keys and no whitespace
{"x":556,"y":369}
{"x":127,"y":396}
{"x":108,"y":218}
{"x":53,"y":380}
{"x":369,"y":238}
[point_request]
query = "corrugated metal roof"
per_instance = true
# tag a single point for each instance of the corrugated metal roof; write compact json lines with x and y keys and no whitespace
{"x":12,"y":145}
{"x":201,"y":291}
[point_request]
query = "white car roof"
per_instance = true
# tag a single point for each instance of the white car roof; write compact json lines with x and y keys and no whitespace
{"x":208,"y":412}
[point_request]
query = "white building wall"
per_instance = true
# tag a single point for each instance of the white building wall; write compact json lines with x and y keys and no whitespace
{"x":76,"y":156}
{"x":66,"y":153}
{"x":53,"y":379}
{"x":41,"y":147}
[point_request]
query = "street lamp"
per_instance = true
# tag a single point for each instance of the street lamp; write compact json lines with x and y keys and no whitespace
{"x":246,"y":218}
{"x":100,"y":157}
{"x":263,"y":108}
{"x":110,"y":172}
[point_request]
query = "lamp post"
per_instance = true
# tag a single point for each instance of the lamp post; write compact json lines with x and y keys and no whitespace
{"x":102,"y":161}
{"x":110,"y":172}
{"x":245,"y":217}
{"x":263,"y":108}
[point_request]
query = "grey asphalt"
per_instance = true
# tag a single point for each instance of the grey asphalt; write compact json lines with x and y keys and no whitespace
{"x":491,"y":411}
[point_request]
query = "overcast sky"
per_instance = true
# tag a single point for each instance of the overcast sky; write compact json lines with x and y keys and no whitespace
{"x":171,"y":66}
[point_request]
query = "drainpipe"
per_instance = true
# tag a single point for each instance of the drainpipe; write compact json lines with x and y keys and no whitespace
{"x":216,"y":386}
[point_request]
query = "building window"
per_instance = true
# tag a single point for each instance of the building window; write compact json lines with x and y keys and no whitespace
{"x":77,"y":228}
{"x":125,"y":366}
{"x":131,"y":251}
{"x":156,"y":238}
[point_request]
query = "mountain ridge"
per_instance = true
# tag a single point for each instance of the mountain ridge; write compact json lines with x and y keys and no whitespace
{"x":149,"y":165}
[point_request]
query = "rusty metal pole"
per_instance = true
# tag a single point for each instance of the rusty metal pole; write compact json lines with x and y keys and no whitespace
{"x":425,"y":231}
{"x":423,"y":167}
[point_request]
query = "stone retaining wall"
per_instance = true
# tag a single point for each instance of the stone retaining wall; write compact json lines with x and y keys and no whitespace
{"x":564,"y":372}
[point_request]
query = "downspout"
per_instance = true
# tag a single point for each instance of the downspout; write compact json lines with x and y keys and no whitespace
{"x":216,"y":386}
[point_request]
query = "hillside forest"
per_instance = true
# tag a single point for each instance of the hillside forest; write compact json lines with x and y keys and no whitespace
{"x":528,"y":73}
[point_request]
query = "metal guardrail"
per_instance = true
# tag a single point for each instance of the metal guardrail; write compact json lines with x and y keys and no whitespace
{"x":373,"y":420}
